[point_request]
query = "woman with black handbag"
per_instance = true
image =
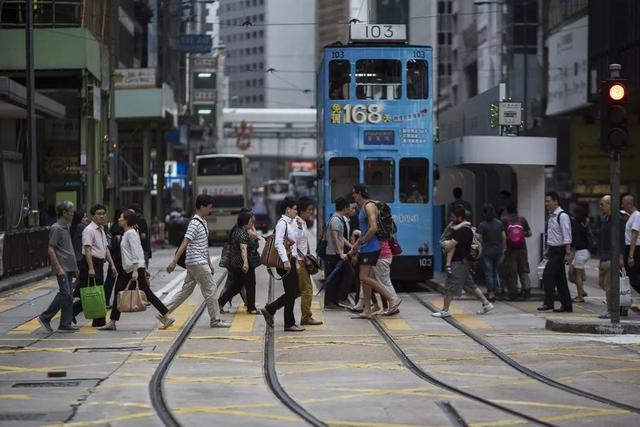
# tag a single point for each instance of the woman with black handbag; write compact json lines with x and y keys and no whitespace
{"x":239,"y":266}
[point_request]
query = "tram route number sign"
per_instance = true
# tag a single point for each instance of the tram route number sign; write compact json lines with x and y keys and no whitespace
{"x":510,"y":114}
{"x":377,"y":33}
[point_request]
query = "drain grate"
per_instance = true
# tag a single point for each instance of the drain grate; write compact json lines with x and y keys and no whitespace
{"x":23,"y":416}
{"x":42,"y":384}
{"x":125,"y":349}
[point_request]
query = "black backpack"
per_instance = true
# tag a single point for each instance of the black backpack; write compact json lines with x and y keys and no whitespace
{"x":386,"y":225}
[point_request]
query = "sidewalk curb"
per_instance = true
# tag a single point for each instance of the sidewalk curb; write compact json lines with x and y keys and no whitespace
{"x":594,"y":327}
{"x":13,"y":282}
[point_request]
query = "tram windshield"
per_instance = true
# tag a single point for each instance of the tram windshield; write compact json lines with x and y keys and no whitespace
{"x":414,"y":180}
{"x":417,"y":79}
{"x":379,"y":178}
{"x":339,"y":79}
{"x":344,"y":173}
{"x":378,"y":79}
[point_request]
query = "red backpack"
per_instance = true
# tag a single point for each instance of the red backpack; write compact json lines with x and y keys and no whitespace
{"x":515,"y":233}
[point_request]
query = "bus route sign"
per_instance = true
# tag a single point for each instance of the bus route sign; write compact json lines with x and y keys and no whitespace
{"x":377,"y":33}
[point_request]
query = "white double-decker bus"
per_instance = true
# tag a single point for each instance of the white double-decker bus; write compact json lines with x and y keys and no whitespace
{"x":225,"y":177}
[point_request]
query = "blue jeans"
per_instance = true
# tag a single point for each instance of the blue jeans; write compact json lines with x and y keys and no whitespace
{"x":490,"y":268}
{"x":62,"y":301}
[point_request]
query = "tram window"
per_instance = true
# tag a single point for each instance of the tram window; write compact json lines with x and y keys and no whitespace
{"x":414,"y":180}
{"x":379,"y":177}
{"x":417,"y":79}
{"x":339,"y":79}
{"x":378,"y":79}
{"x":344,"y":172}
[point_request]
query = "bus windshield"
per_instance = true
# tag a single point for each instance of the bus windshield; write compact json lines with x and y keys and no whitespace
{"x":217,"y":166}
{"x":278,"y":188}
{"x":378,"y":79}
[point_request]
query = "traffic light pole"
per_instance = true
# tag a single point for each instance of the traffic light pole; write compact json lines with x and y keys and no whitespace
{"x":615,"y":235}
{"x":614,"y":73}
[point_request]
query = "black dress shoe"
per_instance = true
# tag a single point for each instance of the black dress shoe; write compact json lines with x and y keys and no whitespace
{"x":545,"y":307}
{"x":563,"y":310}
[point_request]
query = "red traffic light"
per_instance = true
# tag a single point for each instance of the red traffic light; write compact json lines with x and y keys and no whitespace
{"x":617,"y":92}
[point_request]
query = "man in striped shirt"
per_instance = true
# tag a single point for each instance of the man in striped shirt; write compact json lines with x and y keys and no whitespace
{"x":199,"y":267}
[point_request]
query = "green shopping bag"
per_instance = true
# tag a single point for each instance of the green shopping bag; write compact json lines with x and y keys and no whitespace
{"x":93,"y":301}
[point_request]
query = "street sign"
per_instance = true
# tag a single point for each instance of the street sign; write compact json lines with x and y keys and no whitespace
{"x":377,"y":33}
{"x":510,"y":114}
{"x":195,"y":43}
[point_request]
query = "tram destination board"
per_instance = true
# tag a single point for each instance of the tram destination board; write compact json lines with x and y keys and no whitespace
{"x":379,"y":137}
{"x":378,"y":33}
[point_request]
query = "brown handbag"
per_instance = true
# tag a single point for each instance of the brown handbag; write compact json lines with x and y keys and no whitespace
{"x":132,"y":300}
{"x":311,"y":264}
{"x":270,"y":256}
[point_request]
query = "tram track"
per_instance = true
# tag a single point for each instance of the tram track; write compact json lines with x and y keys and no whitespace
{"x":426,"y":376}
{"x":519,"y":367}
{"x":156,"y":388}
{"x":271,"y":375}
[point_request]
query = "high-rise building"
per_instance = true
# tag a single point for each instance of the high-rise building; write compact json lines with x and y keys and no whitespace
{"x":269,"y":50}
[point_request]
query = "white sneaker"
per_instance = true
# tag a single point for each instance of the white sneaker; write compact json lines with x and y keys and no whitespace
{"x":485,"y":308}
{"x":220,"y":324}
{"x":441,"y":314}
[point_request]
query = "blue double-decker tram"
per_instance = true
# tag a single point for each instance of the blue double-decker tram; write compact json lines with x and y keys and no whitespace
{"x":375,"y":127}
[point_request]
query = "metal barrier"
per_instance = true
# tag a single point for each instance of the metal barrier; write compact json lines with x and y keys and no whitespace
{"x":24,"y":250}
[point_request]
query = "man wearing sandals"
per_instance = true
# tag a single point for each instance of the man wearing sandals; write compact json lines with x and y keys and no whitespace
{"x":458,"y":272}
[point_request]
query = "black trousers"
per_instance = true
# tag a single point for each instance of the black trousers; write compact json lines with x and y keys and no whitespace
{"x":121,"y":284}
{"x":339,"y":287}
{"x":98,"y":266}
{"x":632,"y":272}
{"x":288,"y":299}
{"x":110,"y":282}
{"x":237,"y":279}
{"x":555,"y":277}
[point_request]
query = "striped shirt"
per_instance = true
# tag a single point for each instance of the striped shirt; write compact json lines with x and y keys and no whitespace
{"x":198,"y":248}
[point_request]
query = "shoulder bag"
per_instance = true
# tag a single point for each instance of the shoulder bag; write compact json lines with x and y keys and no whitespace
{"x":93,"y":301}
{"x":270,"y":257}
{"x":132,"y":300}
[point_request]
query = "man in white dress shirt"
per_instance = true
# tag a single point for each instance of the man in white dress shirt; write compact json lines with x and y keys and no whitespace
{"x":558,"y":254}
{"x":631,"y":232}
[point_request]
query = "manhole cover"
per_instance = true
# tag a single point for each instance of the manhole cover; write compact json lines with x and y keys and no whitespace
{"x":23,"y":417}
{"x":125,"y":349}
{"x":37,"y":384}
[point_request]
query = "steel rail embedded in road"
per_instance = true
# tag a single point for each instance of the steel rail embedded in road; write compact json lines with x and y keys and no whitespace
{"x":424,"y":375}
{"x":271,"y":376}
{"x":156,"y":389}
{"x":521,"y":368}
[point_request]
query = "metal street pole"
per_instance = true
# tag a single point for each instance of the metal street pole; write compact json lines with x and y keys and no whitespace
{"x":614,"y":73}
{"x":31,"y":116}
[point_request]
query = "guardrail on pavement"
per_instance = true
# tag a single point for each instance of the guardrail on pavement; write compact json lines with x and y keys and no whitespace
{"x":24,"y":250}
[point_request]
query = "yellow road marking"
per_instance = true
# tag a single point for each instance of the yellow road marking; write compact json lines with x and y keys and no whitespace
{"x":30,"y":326}
{"x":394,"y":324}
{"x":472,"y":321}
{"x":15,"y":396}
{"x":242,"y":322}
{"x":107,"y":421}
{"x":613,"y":370}
{"x":181,"y":315}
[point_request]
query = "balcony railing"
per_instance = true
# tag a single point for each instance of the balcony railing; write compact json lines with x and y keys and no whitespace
{"x":46,"y":13}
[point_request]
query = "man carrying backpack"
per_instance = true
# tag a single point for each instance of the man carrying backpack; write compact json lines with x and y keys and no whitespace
{"x":516,"y":258}
{"x":458,"y":276}
{"x":559,"y":254}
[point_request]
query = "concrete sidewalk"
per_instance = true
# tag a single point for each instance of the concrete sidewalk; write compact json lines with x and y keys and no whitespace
{"x":18,"y":280}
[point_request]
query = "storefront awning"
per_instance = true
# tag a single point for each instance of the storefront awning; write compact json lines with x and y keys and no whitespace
{"x":13,"y":102}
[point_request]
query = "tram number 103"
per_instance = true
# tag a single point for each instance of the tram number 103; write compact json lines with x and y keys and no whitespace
{"x":361,"y":113}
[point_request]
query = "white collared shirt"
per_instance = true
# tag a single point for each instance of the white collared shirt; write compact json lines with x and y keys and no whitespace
{"x":302,"y":239}
{"x":286,"y":226}
{"x":633,"y":223}
{"x":558,"y":232}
